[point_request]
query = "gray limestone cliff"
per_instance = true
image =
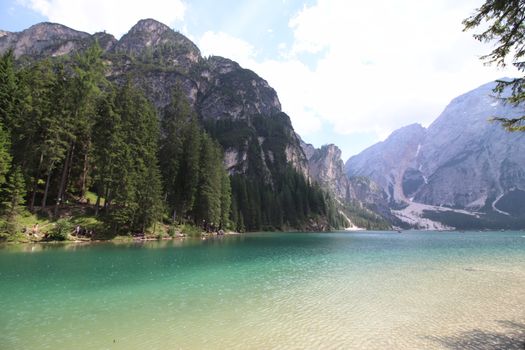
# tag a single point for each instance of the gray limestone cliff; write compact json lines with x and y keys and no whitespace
{"x":361,"y":199}
{"x":462,"y":161}
{"x":326,"y":167}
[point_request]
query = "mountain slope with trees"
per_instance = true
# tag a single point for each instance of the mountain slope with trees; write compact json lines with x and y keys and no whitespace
{"x":158,"y":133}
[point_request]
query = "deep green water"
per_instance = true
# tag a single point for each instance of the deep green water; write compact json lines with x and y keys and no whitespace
{"x":329,"y":290}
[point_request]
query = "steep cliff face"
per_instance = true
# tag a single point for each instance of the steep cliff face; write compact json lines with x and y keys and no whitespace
{"x":360,"y":199}
{"x":386,"y":162}
{"x":223,"y":94}
{"x":326,"y":167}
{"x":461,"y":162}
{"x":468,"y":161}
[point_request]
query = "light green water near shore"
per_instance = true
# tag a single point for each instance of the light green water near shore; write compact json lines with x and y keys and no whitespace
{"x":417,"y":290}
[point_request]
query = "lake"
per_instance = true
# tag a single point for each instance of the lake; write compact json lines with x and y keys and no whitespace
{"x":370,"y":290}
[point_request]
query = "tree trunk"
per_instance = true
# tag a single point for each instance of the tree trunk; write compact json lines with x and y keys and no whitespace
{"x":46,"y":190}
{"x":63,"y":179}
{"x":97,"y":203}
{"x":85,"y":168}
{"x":106,"y":200}
{"x":69,"y":169}
{"x":35,"y":184}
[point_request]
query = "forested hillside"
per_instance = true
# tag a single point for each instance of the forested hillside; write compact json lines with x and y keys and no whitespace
{"x":71,"y":137}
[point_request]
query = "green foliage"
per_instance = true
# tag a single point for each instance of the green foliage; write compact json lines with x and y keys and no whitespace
{"x":502,"y":23}
{"x":271,"y":195}
{"x":14,"y":193}
{"x":5,"y":156}
{"x":61,"y":230}
{"x":490,"y":220}
{"x":8,"y":89}
{"x":292,"y":201}
{"x":365,"y":218}
{"x":191,"y":230}
{"x":172,"y":232}
{"x":135,"y":193}
{"x":196,"y":185}
{"x":66,"y":132}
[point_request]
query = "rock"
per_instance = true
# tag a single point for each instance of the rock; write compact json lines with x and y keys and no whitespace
{"x":462,"y":161}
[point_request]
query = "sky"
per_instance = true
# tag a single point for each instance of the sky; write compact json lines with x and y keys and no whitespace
{"x":346,"y":72}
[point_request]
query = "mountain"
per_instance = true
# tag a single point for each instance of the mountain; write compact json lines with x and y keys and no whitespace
{"x":236,"y":107}
{"x":362,"y":202}
{"x":158,"y":59}
{"x":386,"y":161}
{"x":463,"y":171}
{"x":326,"y":167}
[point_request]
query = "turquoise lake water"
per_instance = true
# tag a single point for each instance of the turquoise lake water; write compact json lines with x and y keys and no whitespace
{"x":416,"y":290}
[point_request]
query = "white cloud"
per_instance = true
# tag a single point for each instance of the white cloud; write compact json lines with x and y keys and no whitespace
{"x":115,"y":17}
{"x":386,"y":64}
{"x":379,"y":66}
{"x":222,"y":44}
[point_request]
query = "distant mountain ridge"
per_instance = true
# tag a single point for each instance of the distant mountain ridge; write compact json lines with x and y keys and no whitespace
{"x":462,"y":161}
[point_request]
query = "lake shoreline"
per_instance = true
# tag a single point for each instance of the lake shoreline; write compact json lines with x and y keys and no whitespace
{"x":211,"y":235}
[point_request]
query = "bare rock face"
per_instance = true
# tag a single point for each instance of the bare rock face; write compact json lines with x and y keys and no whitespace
{"x":44,"y":40}
{"x":462,"y":161}
{"x":386,"y":162}
{"x":229,"y":91}
{"x":326,"y":167}
{"x":468,"y":161}
{"x":358,"y":197}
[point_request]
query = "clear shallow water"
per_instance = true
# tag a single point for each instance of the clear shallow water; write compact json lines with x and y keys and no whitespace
{"x":260,"y":291}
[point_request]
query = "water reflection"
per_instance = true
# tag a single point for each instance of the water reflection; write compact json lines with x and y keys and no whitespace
{"x":149,"y":244}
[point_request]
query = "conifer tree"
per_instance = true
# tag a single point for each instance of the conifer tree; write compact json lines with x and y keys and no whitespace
{"x":5,"y":156}
{"x":14,"y":199}
{"x":8,"y":89}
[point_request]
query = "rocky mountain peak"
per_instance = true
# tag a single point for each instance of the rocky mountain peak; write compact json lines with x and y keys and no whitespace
{"x":386,"y":161}
{"x":461,"y":162}
{"x":48,"y":30}
{"x":222,"y":65}
{"x":329,"y":151}
{"x":326,"y":167}
{"x":43,"y":39}
{"x":148,"y":25}
{"x":152,"y":38}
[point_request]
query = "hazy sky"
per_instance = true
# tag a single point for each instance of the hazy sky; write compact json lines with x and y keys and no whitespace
{"x":347,"y":72}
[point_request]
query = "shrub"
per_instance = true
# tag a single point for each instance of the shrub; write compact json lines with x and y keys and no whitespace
{"x":172,"y":231}
{"x":191,"y":230}
{"x":61,"y":230}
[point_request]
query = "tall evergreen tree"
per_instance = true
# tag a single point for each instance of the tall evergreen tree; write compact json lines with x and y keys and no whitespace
{"x":208,"y":205}
{"x":8,"y":89}
{"x":14,"y":199}
{"x":5,"y":156}
{"x":137,"y":195}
